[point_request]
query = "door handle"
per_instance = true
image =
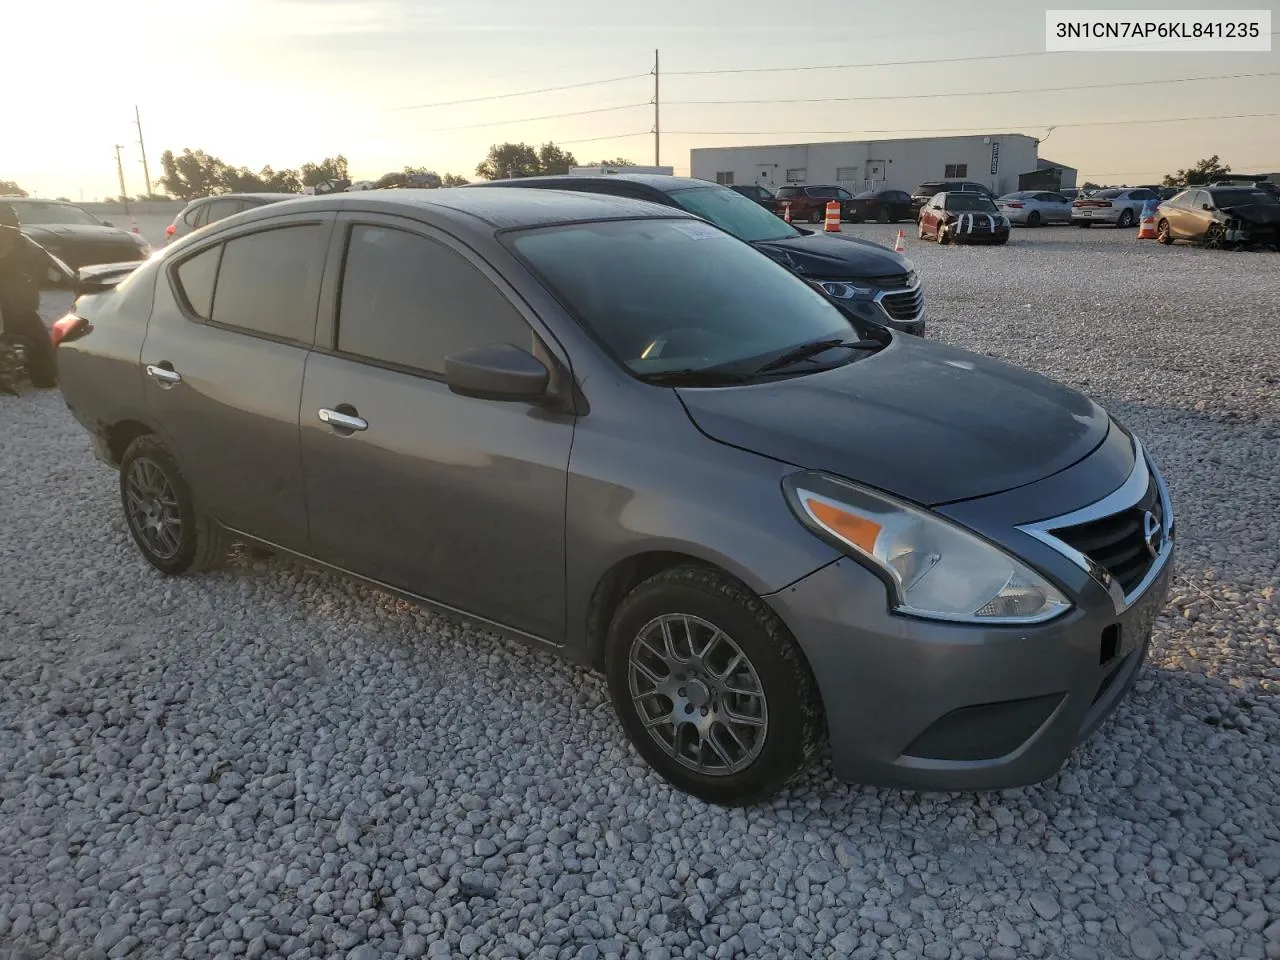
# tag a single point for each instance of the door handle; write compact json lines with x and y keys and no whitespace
{"x":165,"y":374}
{"x":342,"y":421}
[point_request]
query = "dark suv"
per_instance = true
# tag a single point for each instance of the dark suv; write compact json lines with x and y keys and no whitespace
{"x":810,"y":203}
{"x":872,"y":280}
{"x":753,"y":191}
{"x":931,"y":188}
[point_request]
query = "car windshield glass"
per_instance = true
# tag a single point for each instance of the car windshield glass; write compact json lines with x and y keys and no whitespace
{"x":679,"y":295}
{"x":42,"y":213}
{"x":970,"y":203}
{"x":1108,"y":194}
{"x":1236,"y":198}
{"x":734,"y":213}
{"x":928,"y":189}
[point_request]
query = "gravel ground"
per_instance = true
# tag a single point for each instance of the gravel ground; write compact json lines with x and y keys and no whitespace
{"x":272,"y":761}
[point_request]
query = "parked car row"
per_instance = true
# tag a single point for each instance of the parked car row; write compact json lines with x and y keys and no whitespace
{"x":598,"y":422}
{"x":73,"y":234}
{"x":1221,"y":216}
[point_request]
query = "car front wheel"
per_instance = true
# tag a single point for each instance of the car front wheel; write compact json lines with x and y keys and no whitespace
{"x":1163,"y":233}
{"x":172,"y":533}
{"x":711,"y":688}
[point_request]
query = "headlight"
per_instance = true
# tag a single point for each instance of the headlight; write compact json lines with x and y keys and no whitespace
{"x":935,"y":568}
{"x":842,"y":290}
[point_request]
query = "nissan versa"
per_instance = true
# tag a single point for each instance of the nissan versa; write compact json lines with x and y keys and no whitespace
{"x":609,"y":428}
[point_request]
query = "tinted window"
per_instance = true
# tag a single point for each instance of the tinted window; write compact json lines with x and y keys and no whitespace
{"x":195,"y":279}
{"x":195,"y":215}
{"x":412,"y":301}
{"x":734,"y":213}
{"x":264,"y":282}
{"x":785,"y":193}
{"x":898,"y":196}
{"x":674,"y":294}
{"x":1108,"y":194}
{"x":971,"y":202}
{"x":1238,"y":197}
{"x":823,"y":193}
{"x":928,"y":189}
{"x":41,"y":212}
{"x":222,"y":208}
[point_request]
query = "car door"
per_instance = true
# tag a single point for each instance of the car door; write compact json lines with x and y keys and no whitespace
{"x":451,"y":498}
{"x":1197,"y":217}
{"x":223,"y":359}
{"x":932,"y":214}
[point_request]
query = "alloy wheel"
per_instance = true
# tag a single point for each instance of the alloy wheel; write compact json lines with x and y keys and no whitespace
{"x":697,"y":695}
{"x":153,"y":508}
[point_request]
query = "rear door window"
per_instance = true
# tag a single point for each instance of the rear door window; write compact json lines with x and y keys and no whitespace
{"x":410,"y":301}
{"x":263,"y":279}
{"x":196,"y":276}
{"x":197,"y":216}
{"x":219,"y":209}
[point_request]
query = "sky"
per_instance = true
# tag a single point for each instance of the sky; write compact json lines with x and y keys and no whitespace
{"x":283,"y":82}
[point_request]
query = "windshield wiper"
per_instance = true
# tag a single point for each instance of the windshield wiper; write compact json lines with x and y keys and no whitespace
{"x":689,"y":377}
{"x":812,"y":349}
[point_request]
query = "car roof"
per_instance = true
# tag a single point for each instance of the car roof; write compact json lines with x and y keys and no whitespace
{"x":656,"y":181}
{"x":249,"y":196}
{"x":499,"y":209}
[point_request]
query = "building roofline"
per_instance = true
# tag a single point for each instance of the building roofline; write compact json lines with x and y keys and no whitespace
{"x":826,"y":143}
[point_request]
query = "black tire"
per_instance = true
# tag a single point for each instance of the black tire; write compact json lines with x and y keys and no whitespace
{"x":1164,"y":234}
{"x":1033,"y":218}
{"x":200,"y":542}
{"x":1126,"y":219}
{"x":816,"y":216}
{"x":795,"y":727}
{"x":1215,"y":238}
{"x":1085,"y":224}
{"x":27,"y":330}
{"x":882,"y":215}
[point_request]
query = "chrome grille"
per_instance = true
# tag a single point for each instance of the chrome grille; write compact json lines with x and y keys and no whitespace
{"x":903,"y":306}
{"x":1117,"y":543}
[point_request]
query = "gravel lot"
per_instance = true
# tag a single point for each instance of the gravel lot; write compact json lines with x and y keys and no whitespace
{"x":271,"y":761}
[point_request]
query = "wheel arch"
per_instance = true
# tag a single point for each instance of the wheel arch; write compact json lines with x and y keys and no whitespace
{"x":122,"y":433}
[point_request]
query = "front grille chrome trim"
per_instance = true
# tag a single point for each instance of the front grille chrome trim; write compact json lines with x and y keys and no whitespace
{"x":915,"y":288}
{"x":1125,"y":497}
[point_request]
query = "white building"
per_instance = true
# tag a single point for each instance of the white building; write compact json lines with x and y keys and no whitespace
{"x":994,"y":160}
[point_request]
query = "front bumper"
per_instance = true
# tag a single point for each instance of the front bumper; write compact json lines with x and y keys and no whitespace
{"x":1108,"y":215}
{"x":925,"y":705}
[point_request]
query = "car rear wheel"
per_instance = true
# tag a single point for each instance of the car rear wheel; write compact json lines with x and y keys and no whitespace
{"x":172,"y":533}
{"x":711,"y":688}
{"x":1163,"y":233}
{"x":1126,"y":219}
{"x":815,"y":216}
{"x":1033,"y":218}
{"x":882,"y":215}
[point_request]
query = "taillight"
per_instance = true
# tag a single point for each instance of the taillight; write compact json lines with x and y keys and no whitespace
{"x":1105,"y":203}
{"x":69,"y":328}
{"x":1016,"y":206}
{"x":170,"y":230}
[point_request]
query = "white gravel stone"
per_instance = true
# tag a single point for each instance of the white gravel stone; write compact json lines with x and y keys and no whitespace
{"x":274,"y":761}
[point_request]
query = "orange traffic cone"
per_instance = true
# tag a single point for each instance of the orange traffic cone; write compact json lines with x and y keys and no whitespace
{"x":832,"y":224}
{"x":1147,"y":225}
{"x":900,"y":245}
{"x":786,"y":211}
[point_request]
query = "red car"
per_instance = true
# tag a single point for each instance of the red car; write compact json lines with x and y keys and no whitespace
{"x":963,"y":217}
{"x":810,"y":203}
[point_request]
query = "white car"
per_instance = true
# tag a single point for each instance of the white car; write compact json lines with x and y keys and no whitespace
{"x":1031,"y":208}
{"x":1118,"y":206}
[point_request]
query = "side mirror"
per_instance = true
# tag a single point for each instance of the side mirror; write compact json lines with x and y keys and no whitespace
{"x":497,"y":371}
{"x":107,"y":223}
{"x":1205,"y":206}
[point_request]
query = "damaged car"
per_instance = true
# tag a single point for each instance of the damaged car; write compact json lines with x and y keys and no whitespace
{"x":961,"y":217}
{"x":1217,"y":217}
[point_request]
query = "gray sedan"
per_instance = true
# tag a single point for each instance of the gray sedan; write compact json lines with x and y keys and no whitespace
{"x":1031,"y":208}
{"x":608,"y":429}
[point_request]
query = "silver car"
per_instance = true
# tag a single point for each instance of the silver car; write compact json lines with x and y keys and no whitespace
{"x":1031,"y":208}
{"x":1117,"y":207}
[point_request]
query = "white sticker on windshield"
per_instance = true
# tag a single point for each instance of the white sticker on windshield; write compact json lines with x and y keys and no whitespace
{"x":699,"y":231}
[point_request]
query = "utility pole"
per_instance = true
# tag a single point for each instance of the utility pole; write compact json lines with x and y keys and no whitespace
{"x":137,"y":119}
{"x":124,"y":195}
{"x":656,"y":126}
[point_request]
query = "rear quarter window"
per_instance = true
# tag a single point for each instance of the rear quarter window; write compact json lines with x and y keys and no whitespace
{"x":195,"y":278}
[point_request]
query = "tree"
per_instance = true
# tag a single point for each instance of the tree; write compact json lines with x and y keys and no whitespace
{"x":330,"y":168}
{"x":1205,"y":171}
{"x":553,"y":160}
{"x":454,"y":180}
{"x":194,"y":174}
{"x":8,"y":187}
{"x":1090,"y":185}
{"x":620,"y":162}
{"x":509,"y":160}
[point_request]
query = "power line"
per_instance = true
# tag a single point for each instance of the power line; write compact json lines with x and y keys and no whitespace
{"x":978,"y":93}
{"x":1083,"y":123}
{"x":616,"y":136}
{"x":549,"y":116}
{"x":522,"y":93}
{"x":898,"y":63}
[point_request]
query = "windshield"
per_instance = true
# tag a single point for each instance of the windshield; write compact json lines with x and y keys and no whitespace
{"x":37,"y":212}
{"x":928,"y":189}
{"x":970,"y":202}
{"x":734,"y":213}
{"x":1236,"y":198}
{"x":667,"y":295}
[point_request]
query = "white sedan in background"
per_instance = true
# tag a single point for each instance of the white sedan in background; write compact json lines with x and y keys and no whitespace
{"x":1031,"y":208}
{"x":1118,"y":206}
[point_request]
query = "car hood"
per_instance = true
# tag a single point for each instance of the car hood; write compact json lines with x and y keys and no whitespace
{"x":1260,"y":213}
{"x":43,"y":232}
{"x":828,"y":256}
{"x":927,"y":422}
